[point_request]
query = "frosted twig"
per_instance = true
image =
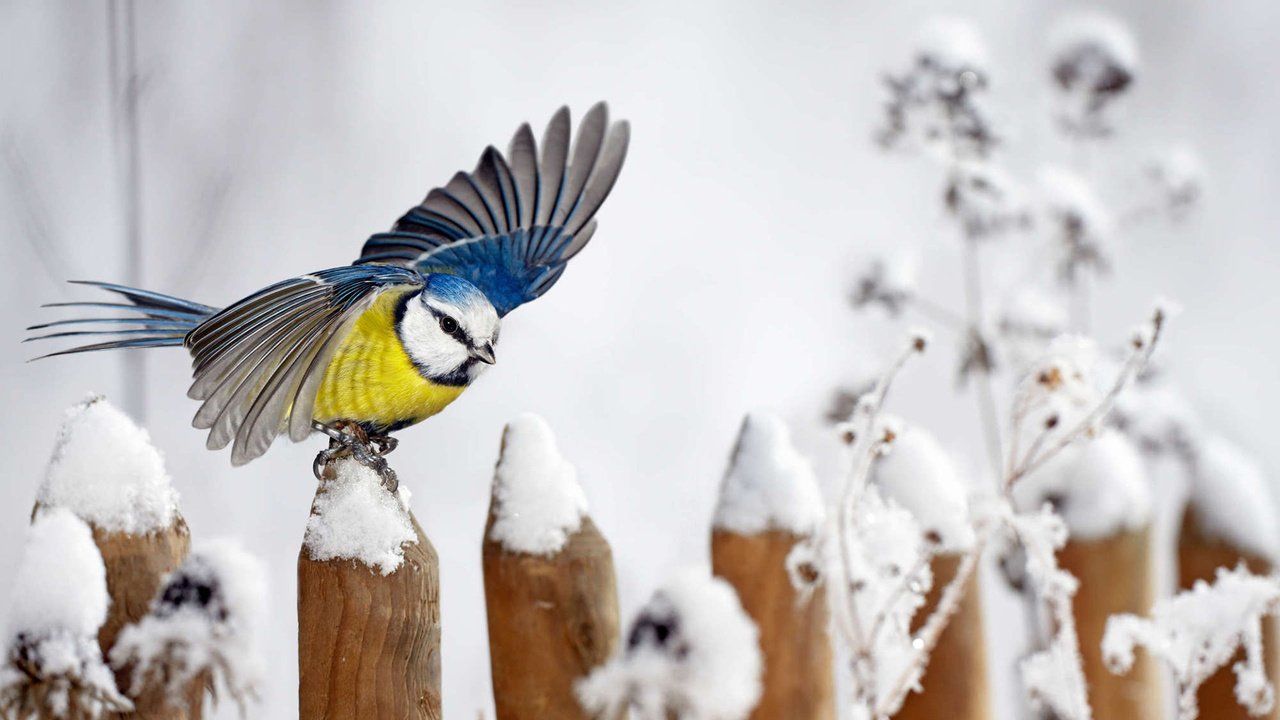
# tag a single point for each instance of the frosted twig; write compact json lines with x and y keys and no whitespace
{"x":1140,"y":354}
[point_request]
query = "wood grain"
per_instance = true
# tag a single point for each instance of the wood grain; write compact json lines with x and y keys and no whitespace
{"x":955,"y":682}
{"x":368,"y":644}
{"x":1200,"y":554}
{"x":1117,"y":575}
{"x":798,"y":678}
{"x":551,"y":621}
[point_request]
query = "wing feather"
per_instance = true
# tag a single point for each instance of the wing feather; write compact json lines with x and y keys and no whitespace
{"x":510,"y":225}
{"x":256,"y":361}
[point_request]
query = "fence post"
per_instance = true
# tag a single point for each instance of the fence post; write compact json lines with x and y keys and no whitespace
{"x":921,"y":477}
{"x":769,"y":501}
{"x":1201,"y":551}
{"x":549,"y":585}
{"x":106,"y":471}
{"x":368,"y":604}
{"x":1117,"y":575}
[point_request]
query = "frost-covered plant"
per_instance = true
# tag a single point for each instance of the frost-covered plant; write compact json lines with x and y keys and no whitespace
{"x":1093,"y":61}
{"x":1039,"y":456}
{"x":52,"y":664}
{"x":937,"y":102}
{"x":202,"y":627}
{"x":1198,"y":632}
{"x":692,"y":653}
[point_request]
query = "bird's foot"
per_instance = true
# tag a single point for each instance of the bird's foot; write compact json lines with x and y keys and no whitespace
{"x":384,"y":444}
{"x":350,"y":440}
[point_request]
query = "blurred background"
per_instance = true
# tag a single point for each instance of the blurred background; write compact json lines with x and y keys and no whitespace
{"x":271,"y":139}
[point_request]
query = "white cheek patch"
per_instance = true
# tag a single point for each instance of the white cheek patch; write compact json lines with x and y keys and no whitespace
{"x":428,"y":346}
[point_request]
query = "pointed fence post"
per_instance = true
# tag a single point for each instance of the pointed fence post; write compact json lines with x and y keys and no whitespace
{"x":769,"y":501}
{"x":1101,"y":490}
{"x":918,"y":475}
{"x":550,"y":590}
{"x":106,"y":471}
{"x":368,"y":604}
{"x":1229,"y":520}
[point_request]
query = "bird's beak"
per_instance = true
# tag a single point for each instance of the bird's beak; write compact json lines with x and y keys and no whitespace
{"x":484,"y":353}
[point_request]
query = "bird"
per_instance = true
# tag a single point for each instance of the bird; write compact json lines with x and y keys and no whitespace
{"x":360,"y":351}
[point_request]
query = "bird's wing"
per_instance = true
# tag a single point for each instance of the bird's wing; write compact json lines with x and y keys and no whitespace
{"x":510,"y":225}
{"x":258,"y":363}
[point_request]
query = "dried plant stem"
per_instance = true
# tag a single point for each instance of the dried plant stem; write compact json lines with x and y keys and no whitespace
{"x":976,"y":313}
{"x":926,"y":639}
{"x":866,"y":446}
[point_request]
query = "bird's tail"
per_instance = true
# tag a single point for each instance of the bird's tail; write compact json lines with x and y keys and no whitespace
{"x":158,"y":321}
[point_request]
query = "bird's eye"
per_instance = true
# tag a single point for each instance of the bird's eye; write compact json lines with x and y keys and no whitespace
{"x":448,"y":325}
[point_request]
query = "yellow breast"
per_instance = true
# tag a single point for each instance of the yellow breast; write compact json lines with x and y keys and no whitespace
{"x":371,"y":378}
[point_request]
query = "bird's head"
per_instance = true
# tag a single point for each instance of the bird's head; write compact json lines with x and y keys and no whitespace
{"x":449,"y":330}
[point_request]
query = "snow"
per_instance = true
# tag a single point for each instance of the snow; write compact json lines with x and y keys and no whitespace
{"x":1071,"y":202}
{"x":691,"y":650}
{"x":537,"y":501}
{"x":355,"y":517}
{"x":206,"y":618}
{"x":61,"y":583}
{"x":986,"y":200}
{"x":1093,"y":37}
{"x":1199,"y":631}
{"x":769,"y":484}
{"x":1099,"y":487}
{"x":953,"y":43}
{"x":918,"y":475}
{"x":1180,"y":178}
{"x":59,"y":602}
{"x":105,"y":469}
{"x":1157,"y":417}
{"x":1053,"y":678}
{"x":889,"y":281}
{"x":1058,"y":390}
{"x":1030,"y":318}
{"x":1232,"y":499}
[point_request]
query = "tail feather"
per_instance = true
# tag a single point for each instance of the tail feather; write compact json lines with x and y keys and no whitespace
{"x":161,"y":321}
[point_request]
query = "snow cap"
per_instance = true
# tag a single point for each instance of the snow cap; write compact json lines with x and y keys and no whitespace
{"x":354,"y":517}
{"x":105,"y":470}
{"x":1232,"y":500}
{"x":1098,"y":486}
{"x":953,"y":43}
{"x":769,"y":484}
{"x":691,"y":649}
{"x":537,"y":501}
{"x":918,"y":475}
{"x":61,"y":583}
{"x":206,"y":618}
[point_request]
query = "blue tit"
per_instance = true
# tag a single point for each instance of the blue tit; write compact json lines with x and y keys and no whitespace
{"x":395,"y":337}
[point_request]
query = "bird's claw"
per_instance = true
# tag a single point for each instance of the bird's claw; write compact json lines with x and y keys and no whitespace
{"x":368,"y":452}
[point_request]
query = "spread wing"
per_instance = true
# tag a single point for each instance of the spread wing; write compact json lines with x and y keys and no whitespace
{"x":258,"y":363}
{"x":511,"y":225}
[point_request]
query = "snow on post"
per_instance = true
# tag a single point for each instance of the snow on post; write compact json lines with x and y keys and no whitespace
{"x":691,"y":652}
{"x":1201,"y":633}
{"x":918,"y":475}
{"x":202,"y":631}
{"x":53,"y":667}
{"x":769,"y":502}
{"x":368,"y":603}
{"x":105,"y":470}
{"x":550,"y":591}
{"x":1100,"y":489}
{"x":1229,"y":521}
